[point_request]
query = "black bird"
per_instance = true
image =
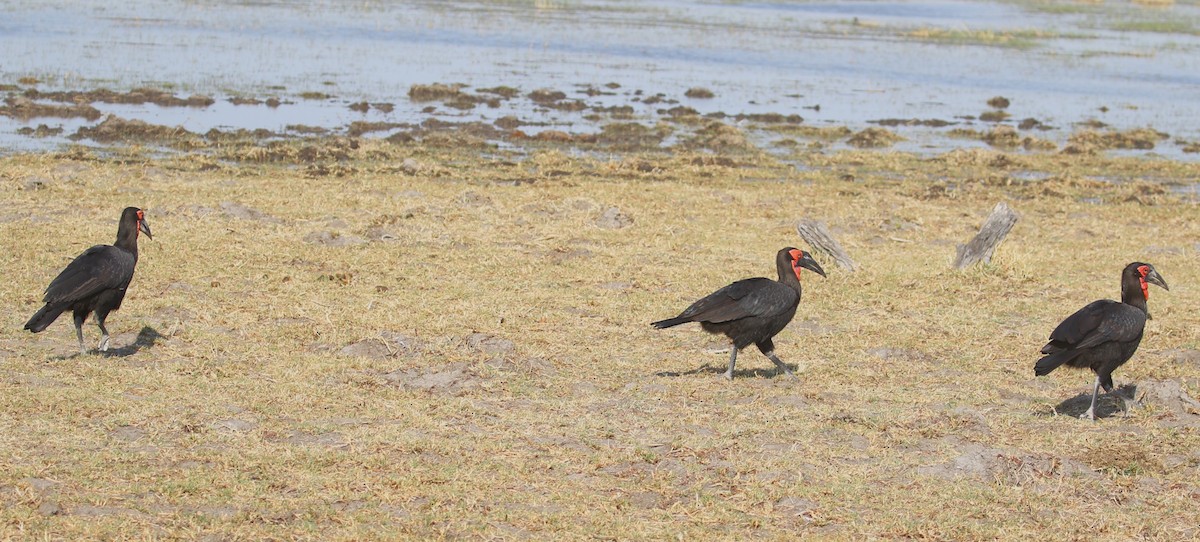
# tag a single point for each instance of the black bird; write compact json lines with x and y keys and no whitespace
{"x":752,"y":311}
{"x":1103,"y":335}
{"x":95,"y":281}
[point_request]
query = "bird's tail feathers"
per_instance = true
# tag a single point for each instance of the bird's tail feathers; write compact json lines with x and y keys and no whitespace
{"x":670,"y":322}
{"x":1053,"y":361}
{"x":44,"y":317}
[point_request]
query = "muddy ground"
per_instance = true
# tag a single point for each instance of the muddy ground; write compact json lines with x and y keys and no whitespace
{"x":642,"y":124}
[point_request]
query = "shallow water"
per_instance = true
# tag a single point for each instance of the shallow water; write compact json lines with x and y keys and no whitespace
{"x":857,"y":61}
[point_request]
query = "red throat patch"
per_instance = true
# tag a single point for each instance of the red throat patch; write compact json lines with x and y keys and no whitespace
{"x":797,"y":254}
{"x":1143,"y":271}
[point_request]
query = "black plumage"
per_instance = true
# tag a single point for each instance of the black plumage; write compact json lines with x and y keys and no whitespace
{"x":95,"y":281}
{"x":1104,"y":334}
{"x":752,"y":311}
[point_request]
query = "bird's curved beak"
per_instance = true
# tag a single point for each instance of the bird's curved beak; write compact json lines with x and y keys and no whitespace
{"x":145,"y":227}
{"x":808,"y":263}
{"x":1154,"y":278}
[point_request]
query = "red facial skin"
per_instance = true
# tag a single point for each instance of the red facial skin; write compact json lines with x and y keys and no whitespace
{"x":797,"y":254}
{"x":1143,"y":271}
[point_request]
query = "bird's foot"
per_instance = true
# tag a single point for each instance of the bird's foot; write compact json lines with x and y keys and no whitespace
{"x":1089,"y":415}
{"x":728,"y":375}
{"x":103,"y":344}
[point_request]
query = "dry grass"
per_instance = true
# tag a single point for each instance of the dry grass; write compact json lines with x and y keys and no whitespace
{"x":236,"y":417}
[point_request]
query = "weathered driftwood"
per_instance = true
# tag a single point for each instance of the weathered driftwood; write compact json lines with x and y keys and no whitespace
{"x":818,"y":237}
{"x":991,"y":234}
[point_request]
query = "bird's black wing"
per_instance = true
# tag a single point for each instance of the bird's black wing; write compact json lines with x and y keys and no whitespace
{"x":99,"y":268}
{"x":749,"y":297}
{"x":1098,"y":322}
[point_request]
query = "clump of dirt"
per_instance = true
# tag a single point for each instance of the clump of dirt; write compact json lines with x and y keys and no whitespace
{"x":116,"y":129}
{"x":1091,"y":141}
{"x":23,"y":108}
{"x":453,"y":379}
{"x":450,"y":95}
{"x":932,"y":123}
{"x":434,"y":92}
{"x":305,"y":129}
{"x":679,"y":111}
{"x":41,"y":131}
{"x":333,"y":239}
{"x":719,"y":136}
{"x":619,"y":111}
{"x":502,"y":91}
{"x":975,"y":157}
{"x":632,"y":135}
{"x":1030,"y":123}
{"x":545,"y":96}
{"x":309,"y":151}
{"x":388,"y":344}
{"x":1003,"y":136}
{"x":136,"y":96}
{"x":827,"y":133}
{"x":556,"y":99}
{"x":993,"y":116}
{"x":1009,"y":467}
{"x":770,"y":118}
{"x":241,"y":134}
{"x":509,"y":122}
{"x":699,"y":93}
{"x":998,"y":102}
{"x":873,"y":138}
{"x":358,"y":127}
{"x":489,"y":344}
{"x":233,"y":209}
{"x":1170,"y":396}
{"x":613,"y":219}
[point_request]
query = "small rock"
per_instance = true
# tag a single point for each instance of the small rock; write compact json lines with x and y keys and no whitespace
{"x":489,"y":343}
{"x":613,"y":219}
{"x":41,"y":485}
{"x":471,"y":198}
{"x":333,"y":239}
{"x":127,"y":433}
{"x":366,"y":348}
{"x":387,"y":344}
{"x":379,"y":233}
{"x":236,"y":210}
{"x":795,"y":506}
{"x":411,"y":166}
{"x":49,"y":508}
{"x":36,"y":183}
{"x":644,"y":499}
{"x":235,"y":425}
{"x":322,"y":440}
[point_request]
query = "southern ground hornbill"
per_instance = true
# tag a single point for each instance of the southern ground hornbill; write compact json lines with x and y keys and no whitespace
{"x":95,"y":281}
{"x":752,"y":311}
{"x":1103,"y":335}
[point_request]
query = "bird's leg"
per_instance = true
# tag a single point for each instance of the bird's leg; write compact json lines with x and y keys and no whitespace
{"x":1091,"y":411}
{"x":779,"y":363}
{"x":103,"y":335}
{"x":732,"y":361}
{"x":79,"y":331}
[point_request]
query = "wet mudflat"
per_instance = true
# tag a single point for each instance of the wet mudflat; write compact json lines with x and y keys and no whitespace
{"x":924,"y":70}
